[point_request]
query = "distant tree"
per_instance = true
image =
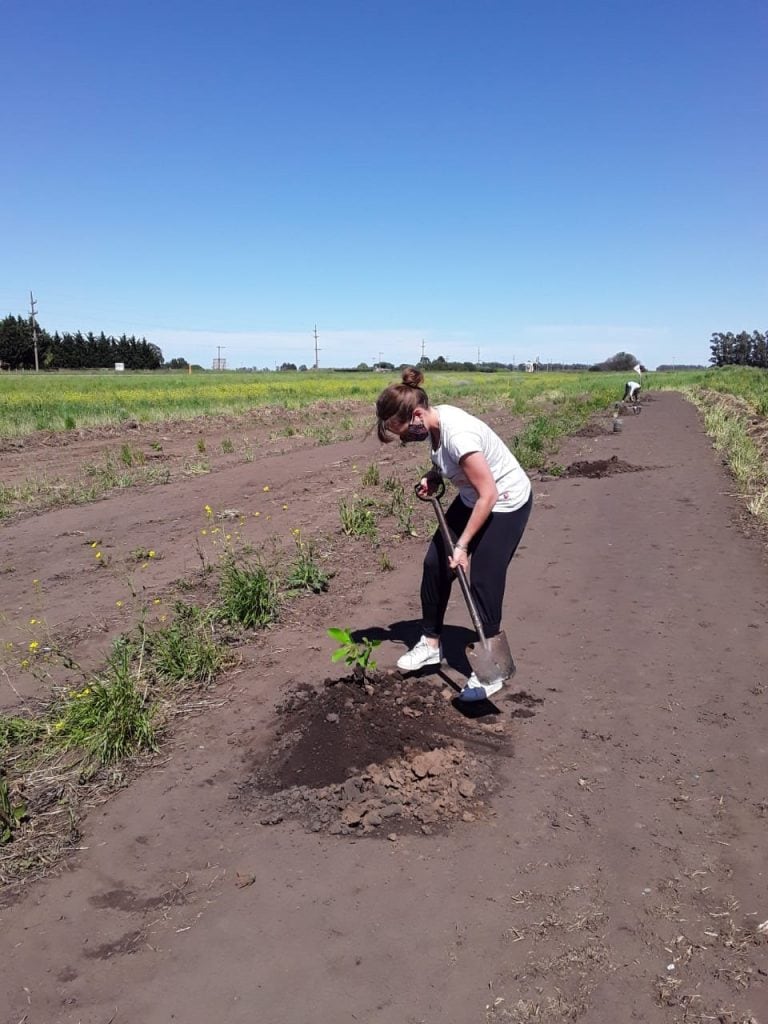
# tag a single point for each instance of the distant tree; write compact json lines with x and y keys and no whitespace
{"x":759,"y":356}
{"x":742,"y":349}
{"x":178,"y":363}
{"x":621,"y":361}
{"x":288,"y":366}
{"x":662,"y":367}
{"x":303,"y":368}
{"x":16,"y":343}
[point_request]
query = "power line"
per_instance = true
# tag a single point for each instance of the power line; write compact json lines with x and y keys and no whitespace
{"x":317,"y":360}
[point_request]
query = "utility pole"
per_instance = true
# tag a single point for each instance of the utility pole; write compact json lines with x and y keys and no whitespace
{"x":478,"y":355}
{"x":422,"y":350}
{"x":33,"y":325}
{"x":317,"y":361}
{"x":218,"y":365}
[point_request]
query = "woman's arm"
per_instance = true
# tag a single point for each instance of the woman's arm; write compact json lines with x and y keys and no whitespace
{"x":478,"y":473}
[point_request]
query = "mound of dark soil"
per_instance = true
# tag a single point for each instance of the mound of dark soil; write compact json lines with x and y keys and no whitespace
{"x":600,"y":468}
{"x":593,"y":429}
{"x":366,"y":755}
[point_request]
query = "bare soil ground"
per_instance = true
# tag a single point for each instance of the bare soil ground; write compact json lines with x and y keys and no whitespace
{"x":590,"y":846}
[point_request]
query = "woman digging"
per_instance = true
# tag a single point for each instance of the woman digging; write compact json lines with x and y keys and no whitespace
{"x":486,"y":519}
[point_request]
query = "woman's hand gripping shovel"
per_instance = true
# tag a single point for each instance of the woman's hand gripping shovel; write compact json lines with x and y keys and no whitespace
{"x":491,"y":659}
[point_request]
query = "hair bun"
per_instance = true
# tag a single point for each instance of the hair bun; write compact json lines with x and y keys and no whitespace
{"x":412,"y":377}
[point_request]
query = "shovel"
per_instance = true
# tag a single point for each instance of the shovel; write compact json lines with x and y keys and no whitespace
{"x":491,"y":660}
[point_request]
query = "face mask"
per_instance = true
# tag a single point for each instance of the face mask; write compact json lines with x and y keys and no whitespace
{"x":416,"y":432}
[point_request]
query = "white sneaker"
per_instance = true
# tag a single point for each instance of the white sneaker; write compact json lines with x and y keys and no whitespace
{"x":475,"y":690}
{"x":420,"y":655}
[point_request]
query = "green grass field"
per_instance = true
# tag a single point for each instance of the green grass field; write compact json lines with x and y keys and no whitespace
{"x":67,"y":401}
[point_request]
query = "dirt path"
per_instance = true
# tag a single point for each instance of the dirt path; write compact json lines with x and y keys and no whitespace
{"x":618,"y":874}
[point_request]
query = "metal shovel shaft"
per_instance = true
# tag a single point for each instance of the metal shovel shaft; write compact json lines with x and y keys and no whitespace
{"x":463,"y":582}
{"x":493,"y":661}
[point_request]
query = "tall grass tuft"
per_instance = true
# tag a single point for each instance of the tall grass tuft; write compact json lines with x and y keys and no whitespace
{"x":188,"y":649}
{"x":111,"y":717}
{"x":357,"y":518}
{"x":304,"y":574}
{"x":248,"y":595}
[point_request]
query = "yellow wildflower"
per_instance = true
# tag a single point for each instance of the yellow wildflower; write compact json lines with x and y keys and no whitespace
{"x":119,"y":604}
{"x":156,"y":600}
{"x":208,"y":511}
{"x":33,"y":645}
{"x":204,"y":533}
{"x":98,"y":555}
{"x":24,"y":663}
{"x":33,"y":622}
{"x":285,"y":508}
{"x":152,"y":554}
{"x":228,"y":536}
{"x":257,"y":513}
{"x":59,"y":726}
{"x":265,"y":487}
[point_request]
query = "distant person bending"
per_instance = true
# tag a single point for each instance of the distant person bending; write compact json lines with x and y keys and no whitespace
{"x":632,"y":391}
{"x":487,"y":518}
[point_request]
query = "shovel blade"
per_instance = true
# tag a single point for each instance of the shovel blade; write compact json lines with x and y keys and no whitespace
{"x":494,"y":662}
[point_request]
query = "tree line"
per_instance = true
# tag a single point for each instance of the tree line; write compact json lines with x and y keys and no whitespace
{"x":72,"y":351}
{"x":743,"y":349}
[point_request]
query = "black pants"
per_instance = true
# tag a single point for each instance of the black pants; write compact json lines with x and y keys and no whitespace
{"x":491,"y":549}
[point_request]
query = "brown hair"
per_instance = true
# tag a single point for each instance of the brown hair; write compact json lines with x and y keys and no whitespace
{"x":398,"y":401}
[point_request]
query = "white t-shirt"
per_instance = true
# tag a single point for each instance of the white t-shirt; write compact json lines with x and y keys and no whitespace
{"x":633,"y":386}
{"x":460,"y":434}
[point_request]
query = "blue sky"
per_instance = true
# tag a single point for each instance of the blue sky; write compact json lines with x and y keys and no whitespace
{"x":553,"y":178}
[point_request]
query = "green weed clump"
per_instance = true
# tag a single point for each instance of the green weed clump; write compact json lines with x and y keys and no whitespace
{"x":188,"y":649}
{"x":357,"y":518}
{"x":304,"y":573}
{"x":15,"y":731}
{"x":11,"y":813}
{"x":248,"y":595}
{"x":111,"y":717}
{"x":371,"y":476}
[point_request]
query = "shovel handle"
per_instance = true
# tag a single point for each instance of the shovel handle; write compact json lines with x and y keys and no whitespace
{"x":448,"y":541}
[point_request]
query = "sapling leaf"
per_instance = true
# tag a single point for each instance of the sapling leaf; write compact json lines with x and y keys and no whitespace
{"x":342,"y":635}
